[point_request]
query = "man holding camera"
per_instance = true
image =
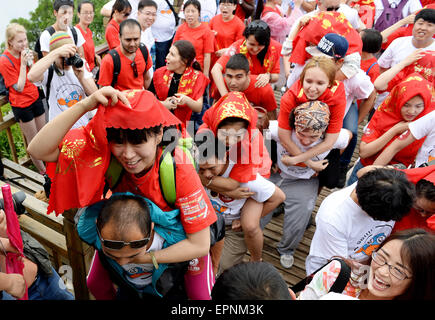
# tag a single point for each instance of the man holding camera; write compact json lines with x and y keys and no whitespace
{"x":62,"y":75}
{"x":63,"y":10}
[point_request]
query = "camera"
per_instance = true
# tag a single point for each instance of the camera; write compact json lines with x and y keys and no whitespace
{"x":75,"y":61}
{"x":29,"y":62}
{"x":17,"y":199}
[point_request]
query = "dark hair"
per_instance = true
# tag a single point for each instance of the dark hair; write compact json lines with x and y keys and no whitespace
{"x":228,"y":1}
{"x":418,"y":250}
{"x":232,"y":120}
{"x":128,"y":23}
{"x":120,"y":5}
{"x":195,"y":3}
{"x":372,"y":40}
{"x":251,"y":281}
{"x":79,"y":8}
{"x":209,"y":146}
{"x":59,"y":3}
{"x":187,"y":52}
{"x":426,"y":14}
{"x":385,"y":194}
{"x":125,"y":211}
{"x":132,"y":136}
{"x":238,"y":62}
{"x":258,"y":10}
{"x":425,"y":188}
{"x":146,"y":3}
{"x":261,"y":31}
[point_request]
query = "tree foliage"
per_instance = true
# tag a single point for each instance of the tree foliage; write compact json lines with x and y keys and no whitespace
{"x":43,"y":16}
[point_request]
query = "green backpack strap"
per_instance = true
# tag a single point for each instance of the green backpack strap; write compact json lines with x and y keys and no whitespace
{"x":167,"y":169}
{"x":113,"y":175}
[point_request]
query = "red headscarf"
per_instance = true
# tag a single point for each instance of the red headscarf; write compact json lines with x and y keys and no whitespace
{"x":252,"y":155}
{"x":424,"y":66}
{"x":324,"y":22}
{"x":388,"y":114}
{"x":413,"y":219}
{"x":85,"y":154}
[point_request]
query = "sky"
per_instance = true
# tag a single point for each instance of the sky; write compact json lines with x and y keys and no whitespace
{"x":18,"y":8}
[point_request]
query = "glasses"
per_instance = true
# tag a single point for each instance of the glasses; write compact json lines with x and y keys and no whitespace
{"x":126,"y":14}
{"x":133,"y":65}
{"x":118,"y":245}
{"x":226,"y":4}
{"x":87,"y":13}
{"x":332,"y":8}
{"x":394,"y":271}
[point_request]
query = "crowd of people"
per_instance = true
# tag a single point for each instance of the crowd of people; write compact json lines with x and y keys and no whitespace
{"x":181,"y":143}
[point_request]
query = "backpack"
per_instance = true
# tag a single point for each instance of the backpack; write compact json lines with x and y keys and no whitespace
{"x":167,"y":170}
{"x":51,"y":31}
{"x":117,"y":61}
{"x":389,"y":15}
{"x":3,"y":90}
{"x":339,"y":284}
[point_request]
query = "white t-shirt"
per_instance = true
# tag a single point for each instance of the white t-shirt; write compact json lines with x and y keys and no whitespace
{"x":410,"y":7}
{"x":424,"y":127}
{"x":134,"y":4}
{"x":147,"y":38}
{"x":140,"y":275}
{"x":208,"y":10}
{"x":65,"y":91}
{"x":398,"y":50}
{"x":344,"y":229}
{"x":358,"y":87}
{"x":164,"y":27}
{"x":44,"y":39}
{"x":229,"y":207}
{"x":298,"y":172}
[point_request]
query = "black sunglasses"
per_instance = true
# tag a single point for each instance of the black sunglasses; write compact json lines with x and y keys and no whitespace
{"x":332,"y":8}
{"x":117,"y":245}
{"x":133,"y":65}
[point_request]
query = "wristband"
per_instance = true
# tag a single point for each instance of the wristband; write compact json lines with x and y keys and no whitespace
{"x":153,"y":258}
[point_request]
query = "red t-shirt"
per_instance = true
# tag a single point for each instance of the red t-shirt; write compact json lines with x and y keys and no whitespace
{"x":263,"y":97}
{"x":196,"y":211}
{"x":374,"y":70}
{"x":201,"y":37}
{"x":126,"y":78}
{"x":88,"y":47}
{"x":112,"y":34}
{"x":10,"y":74}
{"x":334,"y":97}
{"x":270,"y":63}
{"x":240,"y":13}
{"x":228,"y":32}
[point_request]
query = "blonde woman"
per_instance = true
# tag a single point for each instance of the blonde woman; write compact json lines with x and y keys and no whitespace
{"x":24,"y":98}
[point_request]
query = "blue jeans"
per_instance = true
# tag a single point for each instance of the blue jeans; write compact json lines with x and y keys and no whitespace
{"x":6,"y":296}
{"x":49,"y":288}
{"x":350,"y":122}
{"x":353,"y":178}
{"x":162,"y":49}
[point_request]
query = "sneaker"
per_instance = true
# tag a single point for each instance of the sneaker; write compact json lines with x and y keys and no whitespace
{"x":287,"y":261}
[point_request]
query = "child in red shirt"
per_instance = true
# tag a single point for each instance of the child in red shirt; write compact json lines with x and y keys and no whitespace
{"x":85,"y":12}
